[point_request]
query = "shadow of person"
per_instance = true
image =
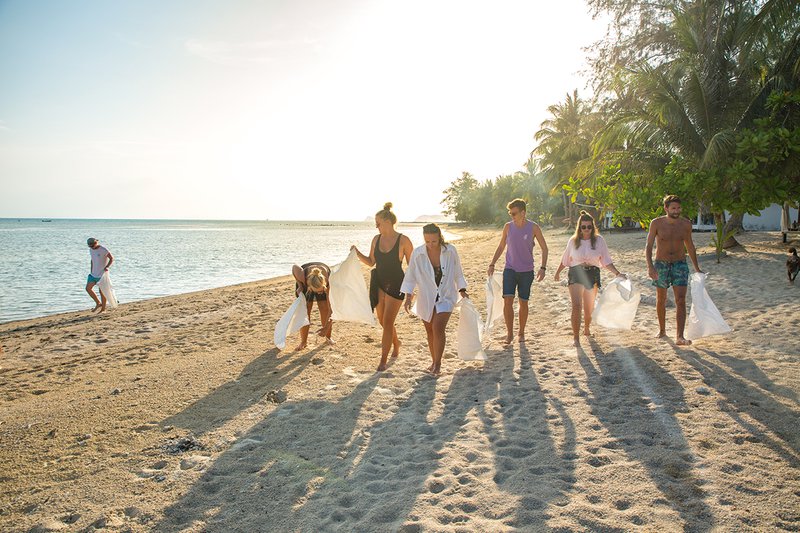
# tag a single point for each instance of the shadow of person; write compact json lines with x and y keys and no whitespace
{"x":262,"y":482}
{"x":265,"y":373}
{"x":742,"y":397}
{"x":532,"y":462}
{"x":636,"y":400}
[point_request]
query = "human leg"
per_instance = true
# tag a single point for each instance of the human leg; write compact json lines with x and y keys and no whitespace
{"x":304,"y":329}
{"x":390,"y":306}
{"x":680,"y":314}
{"x":508,"y":315}
{"x":524,"y":282}
{"x":661,"y":311}
{"x":325,"y":317}
{"x":90,"y":289}
{"x":576,"y":291}
{"x":589,"y":296}
{"x":439,"y":325}
{"x":429,"y":334}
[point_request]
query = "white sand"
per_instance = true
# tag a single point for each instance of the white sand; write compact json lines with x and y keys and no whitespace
{"x":630,"y":433}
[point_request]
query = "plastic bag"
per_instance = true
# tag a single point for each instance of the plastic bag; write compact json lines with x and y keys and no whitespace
{"x":494,"y":301}
{"x":292,"y":320}
{"x":107,"y":289}
{"x":348,"y":295}
{"x":469,"y":332}
{"x":617,"y":305}
{"x":704,"y":317}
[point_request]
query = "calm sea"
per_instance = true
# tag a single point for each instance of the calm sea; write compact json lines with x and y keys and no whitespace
{"x":44,"y":264}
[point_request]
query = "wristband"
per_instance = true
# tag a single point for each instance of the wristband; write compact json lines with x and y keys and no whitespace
{"x":542,"y":268}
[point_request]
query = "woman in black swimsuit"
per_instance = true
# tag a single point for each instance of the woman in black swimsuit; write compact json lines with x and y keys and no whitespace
{"x":386,"y":253}
{"x":311,"y":279}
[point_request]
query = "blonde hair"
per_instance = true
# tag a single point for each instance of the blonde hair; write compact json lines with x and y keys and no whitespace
{"x":519,"y":203}
{"x":386,"y":213}
{"x":585,"y":217}
{"x":316,"y":280}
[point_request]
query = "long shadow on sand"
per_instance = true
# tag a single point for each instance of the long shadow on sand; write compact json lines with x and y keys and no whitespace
{"x":636,"y":400}
{"x":310,"y":467}
{"x":740,"y":397}
{"x":265,"y":373}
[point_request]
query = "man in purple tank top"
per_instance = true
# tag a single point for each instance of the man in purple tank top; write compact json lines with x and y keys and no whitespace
{"x":518,"y":274}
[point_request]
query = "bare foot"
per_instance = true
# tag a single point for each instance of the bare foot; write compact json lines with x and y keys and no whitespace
{"x":508,"y":339}
{"x":435,"y":372}
{"x":329,"y":341}
{"x":396,"y":350}
{"x":576,"y":342}
{"x":521,"y":338}
{"x":300,"y":346}
{"x":381,"y":367}
{"x":96,"y":307}
{"x":101,"y":310}
{"x":429,"y":369}
{"x":680,"y":341}
{"x":661,"y":335}
{"x":587,"y":333}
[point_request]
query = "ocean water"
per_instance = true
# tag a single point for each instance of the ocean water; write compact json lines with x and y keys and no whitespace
{"x":44,"y":264}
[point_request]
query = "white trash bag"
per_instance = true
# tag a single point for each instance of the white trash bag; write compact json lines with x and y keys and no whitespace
{"x":348,"y":294}
{"x":292,"y":320}
{"x":616,"y":307}
{"x":704,"y":317}
{"x":469,"y":332}
{"x":494,"y":301}
{"x":107,"y":289}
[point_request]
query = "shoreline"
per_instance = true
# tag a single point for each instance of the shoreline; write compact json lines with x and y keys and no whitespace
{"x":178,"y":414}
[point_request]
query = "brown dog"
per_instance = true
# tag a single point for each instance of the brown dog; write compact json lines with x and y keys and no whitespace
{"x":792,"y":264}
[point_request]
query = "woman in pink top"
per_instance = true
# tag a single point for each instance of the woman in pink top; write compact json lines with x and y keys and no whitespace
{"x":586,"y":252}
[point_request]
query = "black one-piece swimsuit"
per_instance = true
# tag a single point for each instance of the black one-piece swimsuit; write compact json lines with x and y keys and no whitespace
{"x":388,"y":273}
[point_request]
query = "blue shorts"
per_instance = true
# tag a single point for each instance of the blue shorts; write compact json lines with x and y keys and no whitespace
{"x":92,"y":279}
{"x":519,"y":282}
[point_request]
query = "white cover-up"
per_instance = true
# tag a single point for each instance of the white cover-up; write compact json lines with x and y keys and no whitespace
{"x":420,"y":274}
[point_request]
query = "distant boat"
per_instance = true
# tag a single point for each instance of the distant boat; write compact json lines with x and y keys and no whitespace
{"x":46,"y":220}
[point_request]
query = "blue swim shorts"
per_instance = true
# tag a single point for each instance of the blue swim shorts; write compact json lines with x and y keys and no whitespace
{"x":674,"y":273}
{"x":517,"y":282}
{"x":92,"y":279}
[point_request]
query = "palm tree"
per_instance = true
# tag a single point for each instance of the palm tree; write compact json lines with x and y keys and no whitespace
{"x":564,"y":142}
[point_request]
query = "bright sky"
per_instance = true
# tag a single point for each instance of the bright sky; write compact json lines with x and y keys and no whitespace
{"x":296,"y":109}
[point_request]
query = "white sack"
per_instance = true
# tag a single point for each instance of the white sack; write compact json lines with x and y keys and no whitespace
{"x":348,"y":295}
{"x":494,"y":301}
{"x":469,"y":332}
{"x":107,"y":289}
{"x":617,"y":305}
{"x":292,"y":320}
{"x":704,"y":317}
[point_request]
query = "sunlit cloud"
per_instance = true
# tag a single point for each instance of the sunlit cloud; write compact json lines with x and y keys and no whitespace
{"x":3,"y":126}
{"x":245,"y":53}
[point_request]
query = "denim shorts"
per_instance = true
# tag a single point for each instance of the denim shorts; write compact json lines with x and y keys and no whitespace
{"x":588,"y":276}
{"x":517,"y":282}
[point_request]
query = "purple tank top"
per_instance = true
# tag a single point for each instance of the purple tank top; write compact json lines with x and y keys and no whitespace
{"x":519,"y":247}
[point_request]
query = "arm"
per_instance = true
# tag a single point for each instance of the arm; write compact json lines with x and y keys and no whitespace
{"x":111,"y":259}
{"x":300,"y":277}
{"x":461,"y":282}
{"x":687,"y":239}
{"x":605,"y":256}
{"x":500,"y":248}
{"x":537,"y":233}
{"x":648,"y":251}
{"x":370,"y":259}
{"x":406,"y":250}
{"x":409,"y":282}
{"x":564,"y":259}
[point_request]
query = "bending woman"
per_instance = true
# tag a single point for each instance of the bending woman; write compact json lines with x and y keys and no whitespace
{"x":586,"y":252}
{"x":312,"y":280}
{"x":435,"y":269}
{"x":386,"y":254}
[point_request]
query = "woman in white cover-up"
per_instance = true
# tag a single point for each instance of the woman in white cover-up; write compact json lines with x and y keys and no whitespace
{"x":435,"y":271}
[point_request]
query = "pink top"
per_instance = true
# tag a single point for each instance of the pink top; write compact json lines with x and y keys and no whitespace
{"x":584,"y":254}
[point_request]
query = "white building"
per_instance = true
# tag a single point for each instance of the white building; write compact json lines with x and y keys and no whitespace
{"x":768,"y":220}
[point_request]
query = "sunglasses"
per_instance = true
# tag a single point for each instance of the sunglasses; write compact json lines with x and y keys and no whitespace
{"x":586,"y":227}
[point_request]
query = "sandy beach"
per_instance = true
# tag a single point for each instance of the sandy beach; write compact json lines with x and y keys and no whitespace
{"x":179,"y":414}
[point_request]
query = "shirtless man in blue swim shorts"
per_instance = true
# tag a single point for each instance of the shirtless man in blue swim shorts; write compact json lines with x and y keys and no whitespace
{"x":672,"y":235}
